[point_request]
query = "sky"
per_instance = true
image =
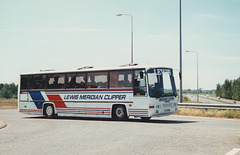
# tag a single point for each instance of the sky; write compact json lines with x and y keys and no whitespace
{"x":68,"y":34}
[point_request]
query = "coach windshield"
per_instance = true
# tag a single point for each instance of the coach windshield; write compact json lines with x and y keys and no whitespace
{"x":161,"y":82}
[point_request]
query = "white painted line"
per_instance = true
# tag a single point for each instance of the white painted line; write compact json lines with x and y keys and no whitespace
{"x":233,"y":151}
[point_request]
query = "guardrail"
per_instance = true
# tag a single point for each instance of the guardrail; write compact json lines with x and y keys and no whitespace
{"x":209,"y":106}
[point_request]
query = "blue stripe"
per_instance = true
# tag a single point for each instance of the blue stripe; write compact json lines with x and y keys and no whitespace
{"x":37,"y":96}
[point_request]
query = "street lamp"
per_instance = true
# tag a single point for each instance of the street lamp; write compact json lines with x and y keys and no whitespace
{"x":180,"y":54}
{"x":131,"y":34}
{"x":197,"y":74}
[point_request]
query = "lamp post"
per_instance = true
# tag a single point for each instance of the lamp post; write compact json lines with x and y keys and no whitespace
{"x":131,"y":34}
{"x":180,"y":54}
{"x":197,"y":73}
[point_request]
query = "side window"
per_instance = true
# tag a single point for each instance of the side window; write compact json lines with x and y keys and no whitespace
{"x":140,"y":83}
{"x":121,"y":79}
{"x":55,"y":81}
{"x":76,"y":80}
{"x":97,"y":80}
{"x":37,"y":82}
{"x":24,"y":82}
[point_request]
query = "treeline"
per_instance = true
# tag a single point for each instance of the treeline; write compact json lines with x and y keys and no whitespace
{"x":200,"y":91}
{"x":8,"y":90}
{"x":229,"y":90}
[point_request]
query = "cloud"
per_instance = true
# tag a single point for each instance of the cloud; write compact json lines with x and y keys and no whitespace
{"x":227,"y":35}
{"x":223,"y":58}
{"x":162,"y":36}
{"x":52,"y":30}
{"x":208,"y":16}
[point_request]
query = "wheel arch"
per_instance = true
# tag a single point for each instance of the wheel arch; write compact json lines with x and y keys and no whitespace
{"x":116,"y":105}
{"x":49,"y":103}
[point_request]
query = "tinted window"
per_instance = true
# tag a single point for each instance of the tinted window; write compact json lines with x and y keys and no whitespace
{"x":75,"y":80}
{"x":24,"y":82}
{"x":37,"y":81}
{"x":121,"y":79}
{"x":55,"y":81}
{"x":97,"y":80}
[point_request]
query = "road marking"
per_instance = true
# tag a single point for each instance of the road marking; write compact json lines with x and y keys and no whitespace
{"x":233,"y":151}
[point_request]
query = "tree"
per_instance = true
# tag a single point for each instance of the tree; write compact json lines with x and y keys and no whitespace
{"x":219,"y":90}
{"x":8,"y":90}
{"x":236,"y":89}
{"x":227,"y":89}
{"x":1,"y":86}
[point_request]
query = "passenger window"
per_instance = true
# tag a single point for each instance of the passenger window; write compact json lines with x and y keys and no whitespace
{"x":24,"y":82}
{"x":37,"y":82}
{"x":97,"y":80}
{"x":140,"y":83}
{"x":75,"y":80}
{"x":121,"y":79}
{"x":56,"y":81}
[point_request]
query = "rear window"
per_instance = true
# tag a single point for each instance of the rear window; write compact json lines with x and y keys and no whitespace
{"x":24,"y":82}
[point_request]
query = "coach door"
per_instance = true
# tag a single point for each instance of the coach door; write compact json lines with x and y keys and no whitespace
{"x":140,"y":89}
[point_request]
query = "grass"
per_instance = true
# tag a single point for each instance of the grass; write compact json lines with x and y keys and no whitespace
{"x":186,"y":99}
{"x":8,"y":103}
{"x":209,"y":113}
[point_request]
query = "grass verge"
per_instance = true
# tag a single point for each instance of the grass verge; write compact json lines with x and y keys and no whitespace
{"x":186,"y":99}
{"x":8,"y":103}
{"x":209,"y":113}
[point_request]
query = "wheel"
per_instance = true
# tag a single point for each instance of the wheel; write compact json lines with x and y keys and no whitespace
{"x":145,"y":118}
{"x":49,"y":111}
{"x":119,"y":113}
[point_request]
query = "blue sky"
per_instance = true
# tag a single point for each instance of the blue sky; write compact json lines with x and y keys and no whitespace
{"x":68,"y":34}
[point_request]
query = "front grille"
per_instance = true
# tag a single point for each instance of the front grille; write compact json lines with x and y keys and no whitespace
{"x":167,"y":105}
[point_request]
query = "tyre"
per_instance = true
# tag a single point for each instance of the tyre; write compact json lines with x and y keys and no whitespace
{"x":145,"y":118}
{"x":49,"y":111}
{"x":119,"y":112}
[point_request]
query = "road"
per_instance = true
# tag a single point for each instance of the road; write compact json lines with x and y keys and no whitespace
{"x":210,"y":100}
{"x":224,"y":100}
{"x":29,"y":134}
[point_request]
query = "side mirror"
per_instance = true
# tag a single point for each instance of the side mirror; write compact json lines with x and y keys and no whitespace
{"x":141,"y":75}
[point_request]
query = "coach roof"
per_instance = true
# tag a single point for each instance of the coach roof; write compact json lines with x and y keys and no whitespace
{"x":91,"y":69}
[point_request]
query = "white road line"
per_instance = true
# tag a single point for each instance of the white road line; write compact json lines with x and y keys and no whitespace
{"x":233,"y":151}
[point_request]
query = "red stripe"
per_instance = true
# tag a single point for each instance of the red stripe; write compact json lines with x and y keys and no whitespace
{"x":137,"y":113}
{"x":88,"y":108}
{"x":56,"y":99}
{"x":117,"y":90}
{"x":30,"y":110}
{"x":98,"y":108}
{"x":105,"y":112}
{"x":139,"y":109}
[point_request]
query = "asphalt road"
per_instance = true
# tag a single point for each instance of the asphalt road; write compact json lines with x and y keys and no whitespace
{"x":29,"y":134}
{"x":211,"y":100}
{"x":193,"y":97}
